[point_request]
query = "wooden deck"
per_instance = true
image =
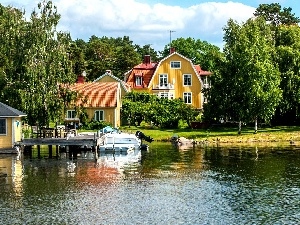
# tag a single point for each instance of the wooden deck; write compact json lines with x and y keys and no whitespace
{"x":80,"y":140}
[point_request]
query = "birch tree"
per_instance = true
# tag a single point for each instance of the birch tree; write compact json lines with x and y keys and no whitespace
{"x":38,"y":63}
{"x":249,"y":50}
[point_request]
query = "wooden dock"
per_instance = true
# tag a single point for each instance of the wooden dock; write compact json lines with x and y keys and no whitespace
{"x":84,"y":140}
{"x":72,"y":144}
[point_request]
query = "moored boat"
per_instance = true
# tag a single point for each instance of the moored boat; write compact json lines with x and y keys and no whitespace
{"x":120,"y":142}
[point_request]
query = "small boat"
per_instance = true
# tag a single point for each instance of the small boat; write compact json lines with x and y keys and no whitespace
{"x":119,"y":142}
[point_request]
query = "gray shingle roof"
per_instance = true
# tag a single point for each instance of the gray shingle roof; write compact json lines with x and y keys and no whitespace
{"x":7,"y":111}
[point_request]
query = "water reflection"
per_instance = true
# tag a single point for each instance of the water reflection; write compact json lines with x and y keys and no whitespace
{"x":11,"y":173}
{"x":197,"y":185}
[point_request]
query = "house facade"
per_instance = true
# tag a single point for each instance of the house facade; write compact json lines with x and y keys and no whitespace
{"x":174,"y":76}
{"x":101,"y":101}
{"x":10,"y":127}
{"x":109,"y":77}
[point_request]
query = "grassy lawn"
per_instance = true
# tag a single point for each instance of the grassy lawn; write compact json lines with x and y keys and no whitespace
{"x":223,"y":135}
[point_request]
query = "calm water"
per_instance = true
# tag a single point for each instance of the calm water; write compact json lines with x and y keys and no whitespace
{"x":204,"y":185}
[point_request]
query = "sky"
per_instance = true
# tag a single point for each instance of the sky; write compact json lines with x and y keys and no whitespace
{"x":153,"y":22}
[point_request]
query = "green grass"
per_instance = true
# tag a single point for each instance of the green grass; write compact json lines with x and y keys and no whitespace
{"x":222,"y":134}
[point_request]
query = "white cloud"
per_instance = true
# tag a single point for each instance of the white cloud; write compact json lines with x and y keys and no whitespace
{"x":144,"y":23}
{"x":210,"y":18}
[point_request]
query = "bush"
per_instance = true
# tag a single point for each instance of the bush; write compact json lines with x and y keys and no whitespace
{"x":95,"y":125}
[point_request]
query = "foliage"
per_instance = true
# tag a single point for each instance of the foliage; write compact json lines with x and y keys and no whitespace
{"x":138,"y":106}
{"x":287,"y":42}
{"x":249,"y":82}
{"x":288,"y":59}
{"x":36,"y":61}
{"x":272,"y":13}
{"x":95,"y":125}
{"x":147,"y":50}
{"x":116,"y":54}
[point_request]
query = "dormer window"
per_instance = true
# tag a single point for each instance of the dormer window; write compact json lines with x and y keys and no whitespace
{"x":138,"y":80}
{"x":175,"y":64}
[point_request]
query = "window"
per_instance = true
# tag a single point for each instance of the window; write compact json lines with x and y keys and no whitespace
{"x":164,"y":95}
{"x":205,"y":82}
{"x":71,"y":114}
{"x":2,"y":126}
{"x":138,"y":81}
{"x":187,"y":97}
{"x":187,"y":79}
{"x":175,"y":64}
{"x":163,"y":80}
{"x":99,"y":115}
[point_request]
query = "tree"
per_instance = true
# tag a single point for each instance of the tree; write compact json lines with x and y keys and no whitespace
{"x":272,"y":13}
{"x":288,"y":59}
{"x":39,"y":63}
{"x":286,"y":36}
{"x":126,"y":56}
{"x":250,"y":80}
{"x":147,"y":50}
{"x":12,"y":27}
{"x":77,"y":56}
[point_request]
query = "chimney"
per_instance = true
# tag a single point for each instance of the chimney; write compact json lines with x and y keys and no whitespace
{"x":172,"y":50}
{"x":147,"y":59}
{"x":81,"y":78}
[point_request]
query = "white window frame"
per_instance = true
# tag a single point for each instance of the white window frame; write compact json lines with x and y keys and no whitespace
{"x":164,"y":95}
{"x":163,"y":80}
{"x":187,"y":97}
{"x":187,"y":79}
{"x":3,"y":128}
{"x":71,"y":114}
{"x":98,"y":114}
{"x":138,"y":81}
{"x":175,"y":64}
{"x":206,"y":82}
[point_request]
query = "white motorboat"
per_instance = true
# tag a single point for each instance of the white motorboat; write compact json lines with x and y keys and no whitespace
{"x":119,"y":142}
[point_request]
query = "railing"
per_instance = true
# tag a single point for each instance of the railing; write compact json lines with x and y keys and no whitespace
{"x":164,"y":86}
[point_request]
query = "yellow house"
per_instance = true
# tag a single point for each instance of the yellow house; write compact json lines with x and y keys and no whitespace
{"x":109,"y":77}
{"x":10,"y":127}
{"x":174,"y":76}
{"x":101,"y":100}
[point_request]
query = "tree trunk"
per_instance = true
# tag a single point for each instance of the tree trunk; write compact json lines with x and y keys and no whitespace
{"x":240,"y":127}
{"x":255,"y":126}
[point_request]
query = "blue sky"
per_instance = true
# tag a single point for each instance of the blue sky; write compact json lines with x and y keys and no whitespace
{"x":150,"y":21}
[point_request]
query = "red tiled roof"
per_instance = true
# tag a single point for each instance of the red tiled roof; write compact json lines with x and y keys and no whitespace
{"x":146,"y":70}
{"x":200,"y":71}
{"x":98,"y":94}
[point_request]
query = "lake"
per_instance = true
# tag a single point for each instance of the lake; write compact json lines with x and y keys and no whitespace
{"x":166,"y":185}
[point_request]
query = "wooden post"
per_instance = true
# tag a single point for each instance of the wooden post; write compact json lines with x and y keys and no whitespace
{"x":56,"y":150}
{"x":39,"y":151}
{"x":50,"y":151}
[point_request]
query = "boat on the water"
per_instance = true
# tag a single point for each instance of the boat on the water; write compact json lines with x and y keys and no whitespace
{"x":114,"y":140}
{"x":119,"y":142}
